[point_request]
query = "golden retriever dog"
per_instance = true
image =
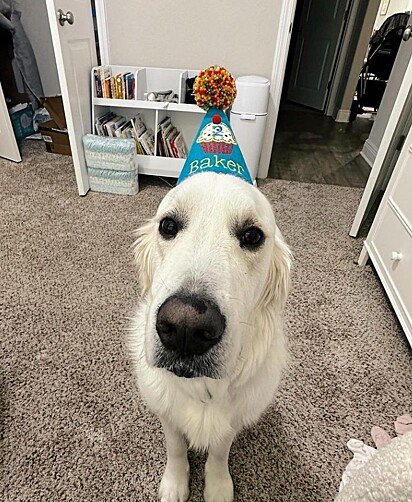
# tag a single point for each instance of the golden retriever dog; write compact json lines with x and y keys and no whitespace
{"x":207,"y":340}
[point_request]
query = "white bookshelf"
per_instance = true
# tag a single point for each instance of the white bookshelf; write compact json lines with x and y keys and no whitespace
{"x":186,"y":117}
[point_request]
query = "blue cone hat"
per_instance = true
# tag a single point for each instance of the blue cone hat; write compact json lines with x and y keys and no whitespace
{"x":215,"y":148}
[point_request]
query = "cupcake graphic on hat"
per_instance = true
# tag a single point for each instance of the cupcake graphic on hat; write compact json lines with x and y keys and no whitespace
{"x":216,"y":137}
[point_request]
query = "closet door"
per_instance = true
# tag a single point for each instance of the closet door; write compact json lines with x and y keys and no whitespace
{"x":379,"y":172}
{"x":8,"y":144}
{"x":71,"y":26}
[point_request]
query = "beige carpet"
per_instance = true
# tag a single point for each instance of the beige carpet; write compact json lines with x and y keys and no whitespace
{"x":72,"y":425}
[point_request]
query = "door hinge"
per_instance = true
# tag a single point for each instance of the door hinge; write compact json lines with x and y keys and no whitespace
{"x":401,"y":141}
{"x":346,"y":15}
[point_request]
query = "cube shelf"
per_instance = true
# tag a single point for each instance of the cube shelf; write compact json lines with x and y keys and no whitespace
{"x":186,"y":117}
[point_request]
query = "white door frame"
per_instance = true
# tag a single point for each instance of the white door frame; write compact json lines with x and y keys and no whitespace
{"x":287,"y":15}
{"x":9,"y":148}
{"x":340,"y":61}
{"x":102,"y":31}
{"x":397,"y":110}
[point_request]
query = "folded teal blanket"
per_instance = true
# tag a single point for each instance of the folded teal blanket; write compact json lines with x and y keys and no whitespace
{"x":120,"y":182}
{"x":102,"y":152}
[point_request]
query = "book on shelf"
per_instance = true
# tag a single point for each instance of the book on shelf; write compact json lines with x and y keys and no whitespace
{"x":139,"y":125}
{"x":138,"y":128}
{"x":109,"y":86}
{"x":100,"y":121}
{"x":118,"y":126}
{"x":112,"y":125}
{"x":120,"y":132}
{"x":147,"y":141}
{"x":180,"y":146}
{"x":97,"y":84}
{"x":130,"y":85}
{"x":170,"y":142}
{"x":106,"y":88}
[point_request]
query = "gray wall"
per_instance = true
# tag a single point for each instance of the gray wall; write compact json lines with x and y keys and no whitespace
{"x":238,"y":34}
{"x":36,"y":25}
{"x":362,"y":22}
{"x":394,"y":7}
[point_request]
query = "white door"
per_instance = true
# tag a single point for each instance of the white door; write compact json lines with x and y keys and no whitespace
{"x":75,"y":53}
{"x":8,"y":144}
{"x":320,"y":29}
{"x":399,"y":85}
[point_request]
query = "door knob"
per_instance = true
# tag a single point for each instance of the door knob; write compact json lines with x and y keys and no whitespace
{"x":396,"y":256}
{"x":65,"y":17}
{"x":407,"y":33}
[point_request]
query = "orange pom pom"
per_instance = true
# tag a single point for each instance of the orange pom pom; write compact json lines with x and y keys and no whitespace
{"x":214,"y":87}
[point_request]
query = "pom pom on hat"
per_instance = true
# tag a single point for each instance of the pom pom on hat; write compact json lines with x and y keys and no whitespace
{"x":214,"y":87}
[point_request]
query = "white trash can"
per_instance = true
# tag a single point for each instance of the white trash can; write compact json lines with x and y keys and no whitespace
{"x":248,"y":118}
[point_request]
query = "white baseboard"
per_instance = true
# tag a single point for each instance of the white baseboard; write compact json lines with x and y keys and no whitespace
{"x":342,"y":116}
{"x":369,"y":152}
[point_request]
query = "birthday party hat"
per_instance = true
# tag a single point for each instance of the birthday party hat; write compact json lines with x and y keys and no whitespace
{"x":215,"y":148}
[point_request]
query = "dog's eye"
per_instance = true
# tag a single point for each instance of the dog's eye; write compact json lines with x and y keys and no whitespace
{"x":168,"y":228}
{"x":251,"y":238}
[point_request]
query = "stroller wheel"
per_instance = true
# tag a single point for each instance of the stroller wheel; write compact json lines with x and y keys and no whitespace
{"x":355,"y":109}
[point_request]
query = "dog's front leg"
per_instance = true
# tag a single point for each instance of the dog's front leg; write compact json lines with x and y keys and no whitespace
{"x":218,"y":481}
{"x":174,"y":486}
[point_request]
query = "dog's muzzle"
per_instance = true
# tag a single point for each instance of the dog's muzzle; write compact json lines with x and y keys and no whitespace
{"x":188,"y":326}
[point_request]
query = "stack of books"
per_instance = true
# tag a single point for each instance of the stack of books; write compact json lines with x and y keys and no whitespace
{"x":119,"y":86}
{"x":170,"y":142}
{"x":117,"y":126}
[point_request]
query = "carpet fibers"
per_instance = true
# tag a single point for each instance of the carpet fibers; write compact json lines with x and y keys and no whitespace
{"x":72,"y":424}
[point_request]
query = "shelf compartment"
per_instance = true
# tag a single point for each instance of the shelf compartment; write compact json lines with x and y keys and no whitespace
{"x":184,"y":116}
{"x":182,"y":87}
{"x":115,"y":69}
{"x":155,"y":80}
{"x":159,"y":166}
{"x":149,"y":116}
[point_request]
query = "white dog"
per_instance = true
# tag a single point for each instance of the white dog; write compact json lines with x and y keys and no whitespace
{"x":207,"y":341}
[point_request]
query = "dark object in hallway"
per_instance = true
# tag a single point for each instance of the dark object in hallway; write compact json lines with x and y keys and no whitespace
{"x":383,"y":48}
{"x":313,"y":148}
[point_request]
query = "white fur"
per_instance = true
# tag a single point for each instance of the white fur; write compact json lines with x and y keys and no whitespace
{"x":250,"y":288}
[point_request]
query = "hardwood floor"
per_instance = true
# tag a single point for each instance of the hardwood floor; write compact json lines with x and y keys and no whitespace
{"x":313,"y":148}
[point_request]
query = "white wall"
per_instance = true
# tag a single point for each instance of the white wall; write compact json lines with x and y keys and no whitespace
{"x":394,"y":7}
{"x":36,"y":25}
{"x":238,"y":34}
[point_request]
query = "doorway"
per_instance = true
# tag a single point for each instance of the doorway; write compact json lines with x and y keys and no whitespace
{"x":316,"y":39}
{"x":314,"y":141}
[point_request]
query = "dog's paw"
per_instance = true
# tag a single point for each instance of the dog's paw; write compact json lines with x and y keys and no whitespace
{"x":218,"y":488}
{"x":174,"y":486}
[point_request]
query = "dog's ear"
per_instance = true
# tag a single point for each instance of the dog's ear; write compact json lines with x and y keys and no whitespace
{"x":277,"y":282}
{"x":143,"y":254}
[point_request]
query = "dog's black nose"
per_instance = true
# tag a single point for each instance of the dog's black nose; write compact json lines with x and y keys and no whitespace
{"x":189,"y":324}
